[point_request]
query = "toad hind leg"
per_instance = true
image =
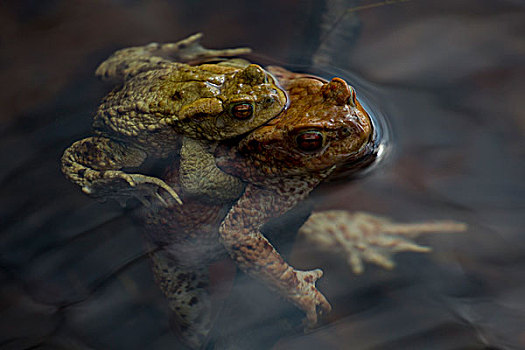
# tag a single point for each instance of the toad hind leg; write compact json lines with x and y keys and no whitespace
{"x":185,"y":289}
{"x":94,"y":162}
{"x":129,"y":62}
{"x":190,"y":49}
{"x":364,"y":237}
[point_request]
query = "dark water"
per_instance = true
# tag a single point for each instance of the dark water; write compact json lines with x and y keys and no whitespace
{"x":448,"y":75}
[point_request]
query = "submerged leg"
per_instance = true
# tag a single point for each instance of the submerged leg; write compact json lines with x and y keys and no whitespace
{"x":186,"y":290}
{"x":94,"y":163}
{"x":365,"y":237}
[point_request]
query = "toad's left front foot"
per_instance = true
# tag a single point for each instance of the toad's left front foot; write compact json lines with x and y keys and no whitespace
{"x":118,"y":185}
{"x":308,"y":298}
{"x":152,"y":186}
{"x":365,"y":237}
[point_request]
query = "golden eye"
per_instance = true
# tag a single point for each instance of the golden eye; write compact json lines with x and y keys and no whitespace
{"x":310,"y":141}
{"x":242,"y":110}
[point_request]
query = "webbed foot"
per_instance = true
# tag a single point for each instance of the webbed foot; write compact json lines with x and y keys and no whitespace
{"x":364,"y":237}
{"x":190,"y":49}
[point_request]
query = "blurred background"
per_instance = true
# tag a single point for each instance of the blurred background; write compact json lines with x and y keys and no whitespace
{"x":450,"y":78}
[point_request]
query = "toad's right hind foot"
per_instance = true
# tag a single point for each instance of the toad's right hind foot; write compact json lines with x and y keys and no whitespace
{"x":190,"y":50}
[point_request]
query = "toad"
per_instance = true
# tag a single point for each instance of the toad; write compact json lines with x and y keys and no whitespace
{"x":157,"y":102}
{"x":276,"y":165}
{"x":185,"y":240}
{"x":281,"y":162}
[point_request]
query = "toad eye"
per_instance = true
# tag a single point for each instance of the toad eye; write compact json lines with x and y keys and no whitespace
{"x":310,"y":141}
{"x":242,"y":110}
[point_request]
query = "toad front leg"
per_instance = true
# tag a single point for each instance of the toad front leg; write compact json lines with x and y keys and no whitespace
{"x":200,"y":176}
{"x":94,"y":163}
{"x":240,"y":233}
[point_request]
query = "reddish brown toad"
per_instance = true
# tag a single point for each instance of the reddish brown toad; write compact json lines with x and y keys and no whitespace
{"x":282,"y":162}
{"x":279,"y":164}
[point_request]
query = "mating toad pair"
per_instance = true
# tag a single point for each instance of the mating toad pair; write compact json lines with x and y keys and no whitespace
{"x":247,"y":144}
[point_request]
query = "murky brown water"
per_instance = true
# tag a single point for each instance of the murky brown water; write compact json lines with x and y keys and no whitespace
{"x":448,"y":75}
